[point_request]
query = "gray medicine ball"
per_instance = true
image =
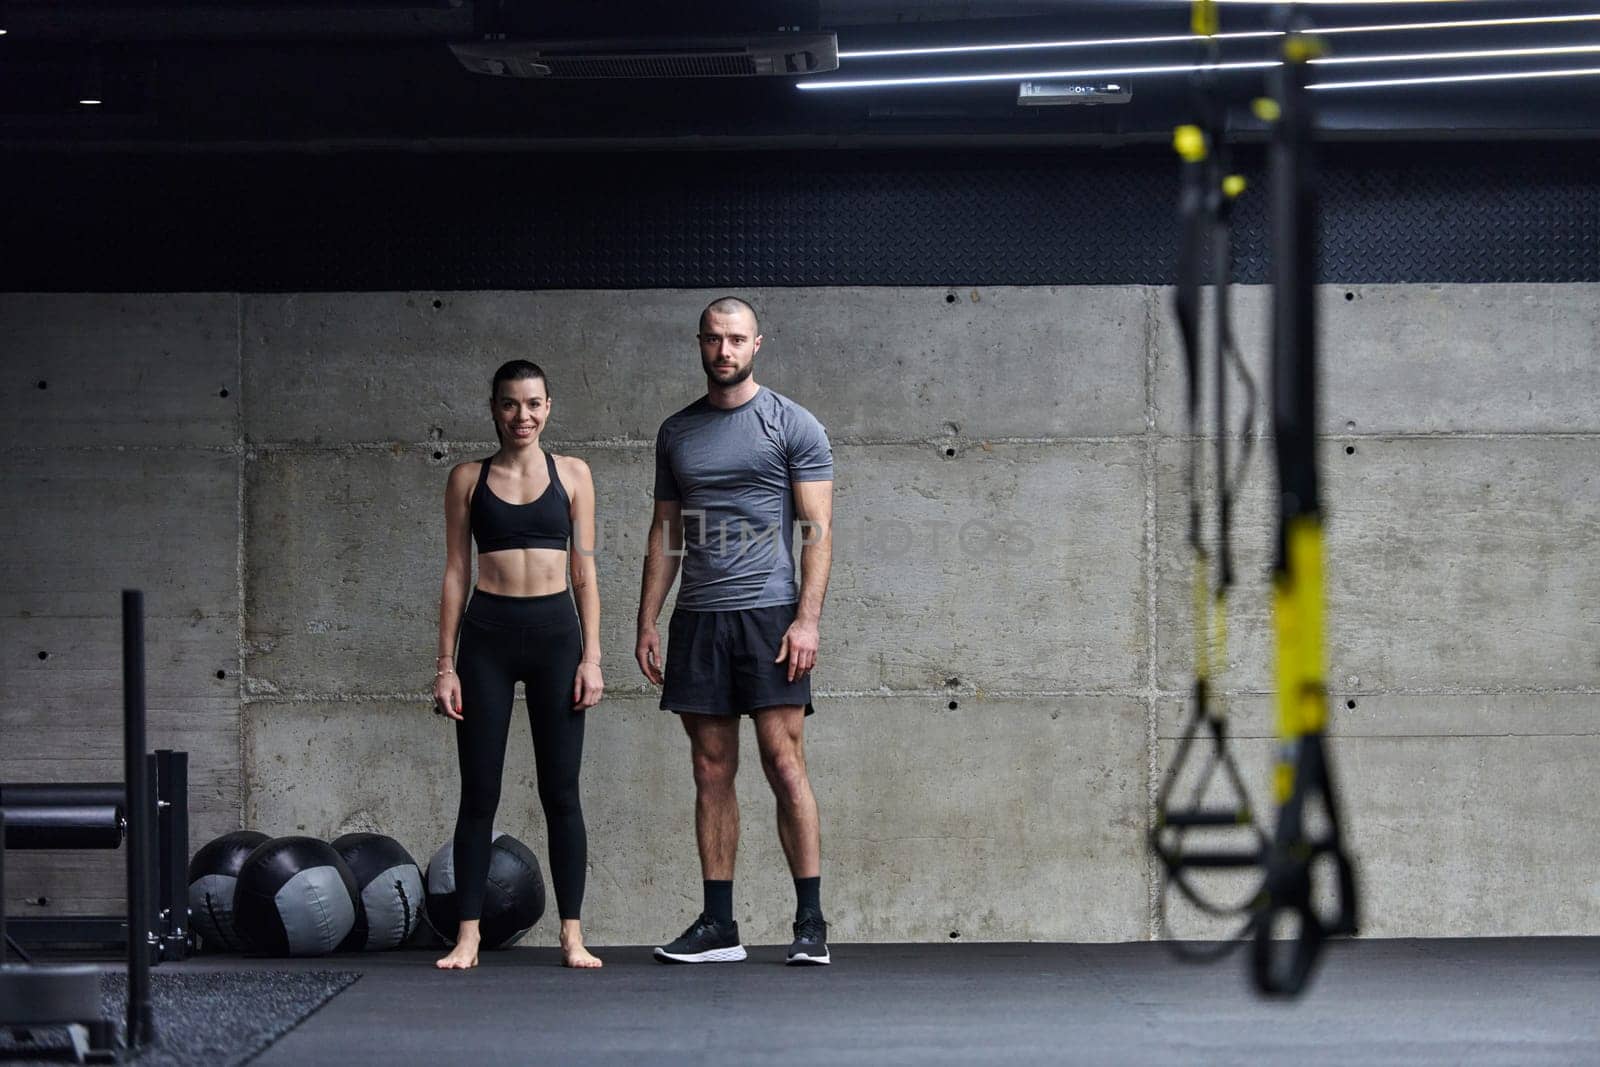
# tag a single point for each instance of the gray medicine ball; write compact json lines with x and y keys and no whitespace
{"x":390,"y":885}
{"x":513,"y":899}
{"x":295,"y":897}
{"x":213,"y":873}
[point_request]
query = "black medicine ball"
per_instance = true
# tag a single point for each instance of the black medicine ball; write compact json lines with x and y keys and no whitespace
{"x":213,"y":874}
{"x":295,"y":897}
{"x":513,"y":899}
{"x":390,"y":886}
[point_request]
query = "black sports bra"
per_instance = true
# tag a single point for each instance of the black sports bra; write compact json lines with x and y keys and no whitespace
{"x":542,"y":523}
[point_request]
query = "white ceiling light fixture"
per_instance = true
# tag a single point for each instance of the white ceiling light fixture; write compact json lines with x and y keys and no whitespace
{"x":1482,"y":53}
{"x":1338,"y":3}
{"x":1027,"y":46}
{"x":1322,"y":31}
{"x":1188,"y":68}
{"x":1451,"y":79}
{"x":1458,"y":24}
{"x":91,"y":92}
{"x":1033,"y":75}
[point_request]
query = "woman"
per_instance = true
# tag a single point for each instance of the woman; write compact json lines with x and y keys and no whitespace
{"x":521,"y":506}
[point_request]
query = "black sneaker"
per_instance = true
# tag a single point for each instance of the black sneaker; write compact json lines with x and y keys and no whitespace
{"x":810,"y":947}
{"x":706,"y":941}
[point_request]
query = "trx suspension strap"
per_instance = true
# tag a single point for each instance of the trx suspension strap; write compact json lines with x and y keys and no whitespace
{"x":1307,"y":888}
{"x":1308,"y":836}
{"x":1205,"y":209}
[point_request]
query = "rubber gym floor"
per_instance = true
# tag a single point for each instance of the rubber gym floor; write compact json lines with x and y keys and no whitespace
{"x":1488,"y":1001}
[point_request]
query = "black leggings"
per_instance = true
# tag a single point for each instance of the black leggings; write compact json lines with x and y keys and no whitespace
{"x":536,"y":641}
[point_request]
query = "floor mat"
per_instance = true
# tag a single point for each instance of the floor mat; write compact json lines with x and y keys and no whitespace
{"x":202,"y":1018}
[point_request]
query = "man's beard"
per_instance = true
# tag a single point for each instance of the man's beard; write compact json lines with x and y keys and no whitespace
{"x":713,"y":374}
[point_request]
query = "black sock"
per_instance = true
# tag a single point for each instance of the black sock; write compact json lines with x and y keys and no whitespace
{"x":807,"y":896}
{"x":719,"y":901}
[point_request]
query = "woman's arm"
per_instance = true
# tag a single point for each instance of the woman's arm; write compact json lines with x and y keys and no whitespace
{"x":457,"y":579}
{"x":588,"y":685}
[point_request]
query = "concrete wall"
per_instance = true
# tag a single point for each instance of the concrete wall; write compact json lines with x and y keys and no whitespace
{"x":1007,"y":636}
{"x":124,"y":468}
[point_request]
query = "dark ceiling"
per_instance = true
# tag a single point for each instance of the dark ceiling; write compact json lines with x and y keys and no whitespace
{"x":329,"y":76}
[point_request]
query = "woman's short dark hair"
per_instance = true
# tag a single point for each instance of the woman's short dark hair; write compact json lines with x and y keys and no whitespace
{"x":517,"y":370}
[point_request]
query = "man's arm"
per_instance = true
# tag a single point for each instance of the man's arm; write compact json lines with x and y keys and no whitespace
{"x":813,"y":507}
{"x":663,"y":547}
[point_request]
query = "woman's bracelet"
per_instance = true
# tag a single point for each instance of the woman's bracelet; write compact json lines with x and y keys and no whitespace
{"x":441,"y":674}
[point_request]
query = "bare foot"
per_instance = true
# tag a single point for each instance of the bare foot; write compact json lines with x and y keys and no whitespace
{"x":580,"y":957}
{"x":573,"y":954}
{"x":463,"y":957}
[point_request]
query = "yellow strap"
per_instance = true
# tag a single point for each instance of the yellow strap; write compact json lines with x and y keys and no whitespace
{"x":1301,"y":48}
{"x":1219,"y":632}
{"x":1282,"y":779}
{"x":1203,"y":17}
{"x":1297,"y":608}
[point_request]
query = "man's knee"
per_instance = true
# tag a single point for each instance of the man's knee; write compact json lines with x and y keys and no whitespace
{"x":715,"y":767}
{"x":714,"y":750}
{"x":785,"y":768}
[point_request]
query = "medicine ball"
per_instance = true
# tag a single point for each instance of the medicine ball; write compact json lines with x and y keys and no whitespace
{"x":295,"y":897}
{"x":390,"y":885}
{"x":513,"y":899}
{"x":213,"y":873}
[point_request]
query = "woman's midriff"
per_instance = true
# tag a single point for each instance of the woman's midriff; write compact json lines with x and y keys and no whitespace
{"x":523,"y":571}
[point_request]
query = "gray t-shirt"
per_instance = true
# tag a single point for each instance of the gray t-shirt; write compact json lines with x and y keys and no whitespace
{"x":731,"y":470}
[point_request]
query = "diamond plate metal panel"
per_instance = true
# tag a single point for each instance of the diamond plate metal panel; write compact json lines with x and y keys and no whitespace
{"x":1399,"y":213}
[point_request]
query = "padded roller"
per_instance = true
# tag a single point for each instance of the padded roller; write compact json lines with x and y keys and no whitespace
{"x":54,"y":794}
{"x":64,"y":826}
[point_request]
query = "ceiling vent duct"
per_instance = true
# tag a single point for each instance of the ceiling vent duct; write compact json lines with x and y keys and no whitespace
{"x":740,"y":56}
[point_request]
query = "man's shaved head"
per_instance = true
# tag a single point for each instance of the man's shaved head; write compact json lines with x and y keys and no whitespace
{"x":730,"y":305}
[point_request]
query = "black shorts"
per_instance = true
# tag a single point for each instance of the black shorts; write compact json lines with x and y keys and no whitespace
{"x":721,"y":662}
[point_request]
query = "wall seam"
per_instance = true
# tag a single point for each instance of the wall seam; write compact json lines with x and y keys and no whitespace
{"x":932,"y":694}
{"x":1328,"y":437}
{"x":241,"y":525}
{"x":1151,"y":692}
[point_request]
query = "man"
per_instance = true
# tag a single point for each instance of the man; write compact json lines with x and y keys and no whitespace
{"x":734,"y":470}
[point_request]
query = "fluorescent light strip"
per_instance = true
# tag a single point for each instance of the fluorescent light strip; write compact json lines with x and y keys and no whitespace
{"x":1455,"y":24}
{"x":1188,"y":68}
{"x":1022,"y":46}
{"x":1456,"y":78}
{"x":1341,"y":3}
{"x":1486,"y":53}
{"x":958,"y":79}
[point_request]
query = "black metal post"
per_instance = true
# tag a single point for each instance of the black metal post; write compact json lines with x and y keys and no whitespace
{"x":152,"y":866}
{"x":2,"y":886}
{"x":141,"y":1022}
{"x":1294,"y":325}
{"x":172,"y":795}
